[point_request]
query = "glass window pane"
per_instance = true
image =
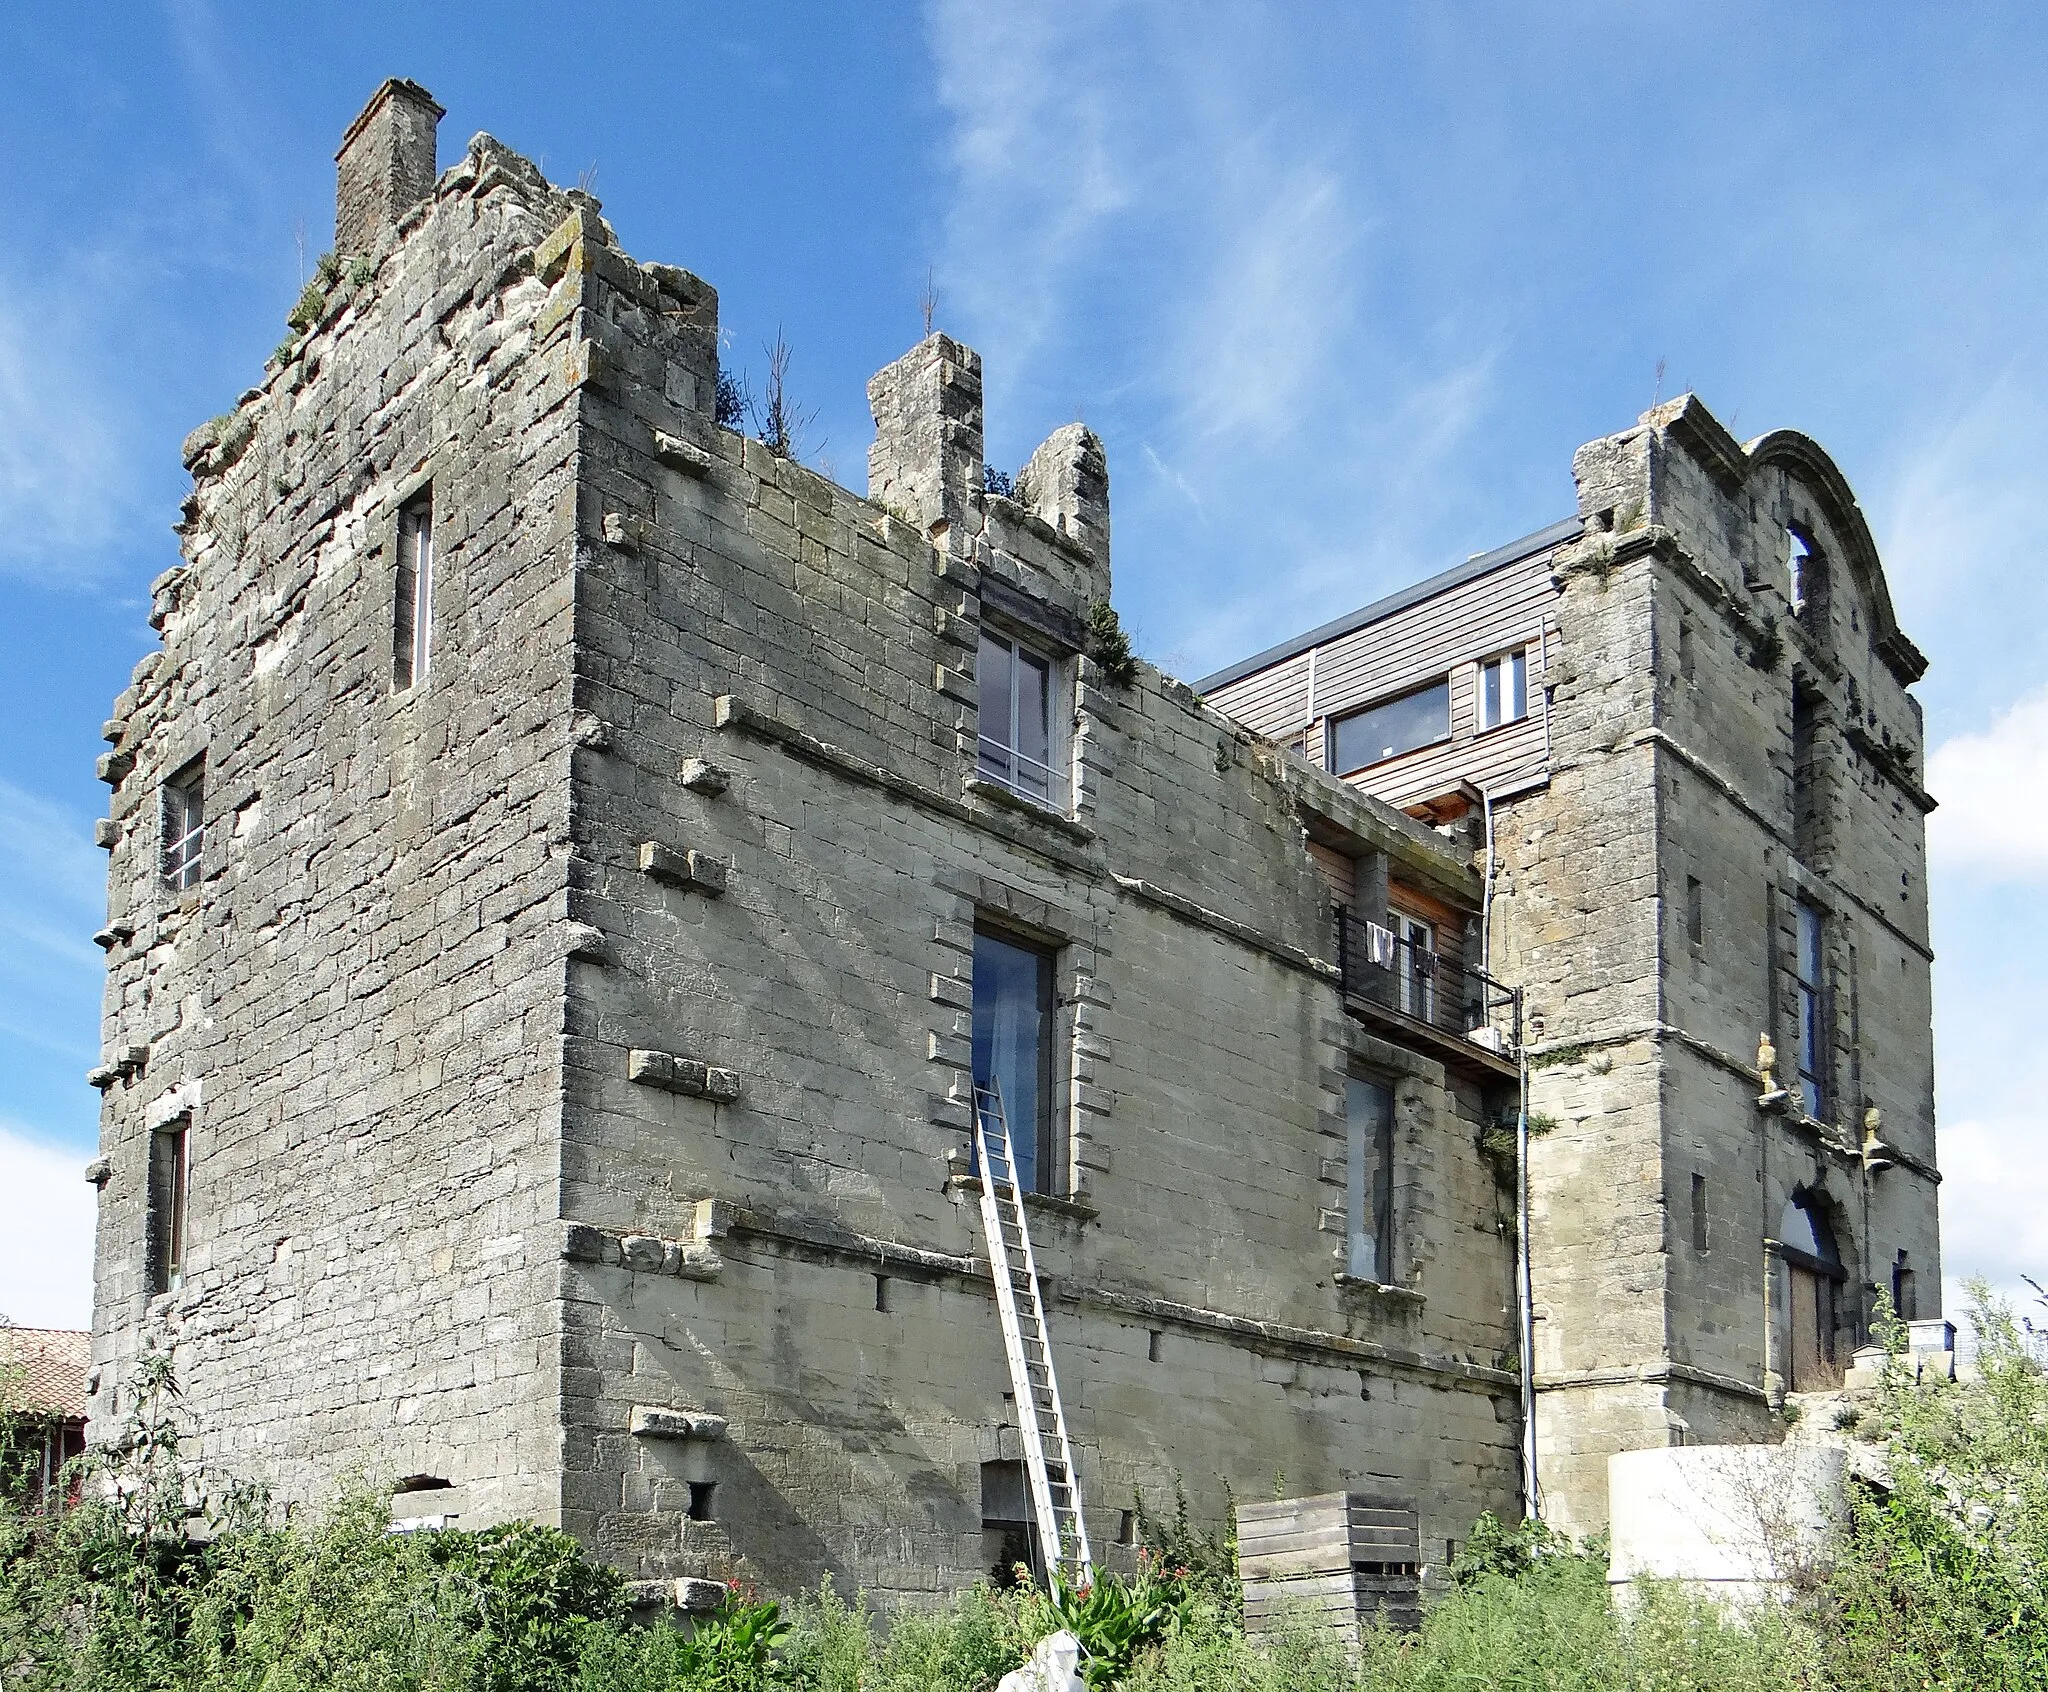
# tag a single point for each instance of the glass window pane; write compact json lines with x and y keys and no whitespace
{"x":1489,"y":694}
{"x":1518,"y":686}
{"x":1368,"y":1186}
{"x":998,"y":707}
{"x":1012,"y":1006}
{"x":1399,"y":725}
{"x":1034,"y":703}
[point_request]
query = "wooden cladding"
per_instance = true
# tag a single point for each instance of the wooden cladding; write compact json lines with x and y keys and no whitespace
{"x":1336,"y":1557}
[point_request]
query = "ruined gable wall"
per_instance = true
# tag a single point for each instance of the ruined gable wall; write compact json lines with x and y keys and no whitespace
{"x":360,"y":1003}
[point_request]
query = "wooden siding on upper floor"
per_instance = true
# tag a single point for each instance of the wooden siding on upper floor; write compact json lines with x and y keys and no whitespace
{"x":1449,"y":633}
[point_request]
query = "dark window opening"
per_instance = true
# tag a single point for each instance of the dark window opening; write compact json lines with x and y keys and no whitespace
{"x":700,"y":1500}
{"x":1009,"y":1535}
{"x":1805,"y":777}
{"x":1369,"y":1180}
{"x":1695,"y":911}
{"x":1810,"y":997}
{"x":169,"y":1179}
{"x":1013,"y":1041}
{"x":882,"y":1292}
{"x":1905,"y":1303}
{"x":1127,"y":1528}
{"x":1699,"y":1212}
{"x":184,"y":826}
{"x":1015,"y":688}
{"x":1388,"y":729}
{"x":412,"y":619}
{"x":1685,"y":652}
{"x":1152,"y":1346}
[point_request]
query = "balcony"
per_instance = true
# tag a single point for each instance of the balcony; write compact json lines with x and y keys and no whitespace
{"x":1420,"y":997}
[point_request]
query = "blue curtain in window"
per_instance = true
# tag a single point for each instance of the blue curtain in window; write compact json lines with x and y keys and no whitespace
{"x":1012,"y":987}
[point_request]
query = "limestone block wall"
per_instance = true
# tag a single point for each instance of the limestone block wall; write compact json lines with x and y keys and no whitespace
{"x":783,"y":673}
{"x":358,"y":1006}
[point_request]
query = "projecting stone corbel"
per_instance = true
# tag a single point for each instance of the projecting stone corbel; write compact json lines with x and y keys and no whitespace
{"x":686,"y":1076}
{"x":655,"y":1422}
{"x":698,"y":872}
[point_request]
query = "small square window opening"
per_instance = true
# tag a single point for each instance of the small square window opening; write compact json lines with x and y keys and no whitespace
{"x":701,"y":1500}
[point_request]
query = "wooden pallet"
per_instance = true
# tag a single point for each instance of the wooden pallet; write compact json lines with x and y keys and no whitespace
{"x":1335,"y":1558}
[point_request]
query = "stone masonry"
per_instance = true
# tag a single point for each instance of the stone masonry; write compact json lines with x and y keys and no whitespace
{"x":1719,"y":737}
{"x":563,"y":1032}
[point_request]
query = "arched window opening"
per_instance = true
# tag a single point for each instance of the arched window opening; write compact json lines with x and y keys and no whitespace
{"x":1805,"y":576}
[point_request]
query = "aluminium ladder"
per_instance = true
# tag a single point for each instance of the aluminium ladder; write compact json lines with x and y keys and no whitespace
{"x":1041,"y":1418}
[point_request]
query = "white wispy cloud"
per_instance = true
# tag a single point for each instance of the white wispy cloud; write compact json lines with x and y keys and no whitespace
{"x":47,"y":1215}
{"x":52,"y":896}
{"x":66,"y":488}
{"x":1993,"y":788}
{"x":1993,"y":1223}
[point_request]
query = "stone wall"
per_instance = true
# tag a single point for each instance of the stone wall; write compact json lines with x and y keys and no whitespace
{"x":576,"y":1041}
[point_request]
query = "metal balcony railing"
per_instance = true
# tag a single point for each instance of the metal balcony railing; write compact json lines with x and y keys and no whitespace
{"x":1382,"y":969}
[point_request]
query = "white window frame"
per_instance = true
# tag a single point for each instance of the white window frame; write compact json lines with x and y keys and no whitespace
{"x":184,"y":827}
{"x":1509,"y":673}
{"x":997,"y":757}
{"x":413,"y":588}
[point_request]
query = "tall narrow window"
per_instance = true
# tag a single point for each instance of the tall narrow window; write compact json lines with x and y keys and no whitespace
{"x":169,"y":1172}
{"x":1699,"y":1212}
{"x":1801,"y":572}
{"x":1016,"y":739}
{"x":412,"y":622}
{"x":1008,"y":1534}
{"x":1695,"y":911}
{"x":1416,"y":959}
{"x":1390,"y":728}
{"x":1905,"y":1303}
{"x":1013,"y":1038}
{"x":184,"y":831}
{"x":1369,"y":1180}
{"x":1811,"y":1008}
{"x":1503,"y":689}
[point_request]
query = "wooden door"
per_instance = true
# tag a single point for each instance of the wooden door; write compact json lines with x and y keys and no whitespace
{"x":1813,"y":1363}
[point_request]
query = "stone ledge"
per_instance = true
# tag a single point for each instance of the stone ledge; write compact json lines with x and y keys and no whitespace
{"x":690,"y":1260}
{"x":697,"y":872}
{"x":679,"y":454}
{"x":1355,"y":1288}
{"x":688,"y":1076}
{"x":651,"y":1421}
{"x":1202,"y":917}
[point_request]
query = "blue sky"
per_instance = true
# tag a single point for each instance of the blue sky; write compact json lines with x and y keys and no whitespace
{"x":1342,"y":288}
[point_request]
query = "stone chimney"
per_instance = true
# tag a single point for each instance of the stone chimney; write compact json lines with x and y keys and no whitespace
{"x":926,"y":462}
{"x":385,"y":166}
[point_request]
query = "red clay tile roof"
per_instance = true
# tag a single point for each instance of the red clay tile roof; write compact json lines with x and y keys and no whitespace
{"x":44,"y":1369}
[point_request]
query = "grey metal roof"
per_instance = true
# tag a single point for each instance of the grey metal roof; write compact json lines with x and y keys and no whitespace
{"x":1479,"y":564}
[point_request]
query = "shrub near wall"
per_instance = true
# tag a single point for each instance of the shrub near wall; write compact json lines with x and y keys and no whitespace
{"x":1942,"y":1582}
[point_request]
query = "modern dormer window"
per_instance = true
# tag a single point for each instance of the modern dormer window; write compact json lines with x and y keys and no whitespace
{"x":1018,"y":732}
{"x":1504,"y":689}
{"x":1393,"y":726}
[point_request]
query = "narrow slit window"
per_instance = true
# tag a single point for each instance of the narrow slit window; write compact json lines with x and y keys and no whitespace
{"x":1699,"y":1212}
{"x":1814,"y":1035}
{"x":412,"y":628}
{"x":169,"y":1180}
{"x":1695,"y":911}
{"x":1798,"y":570}
{"x":1504,"y":689}
{"x":1369,"y":1180}
{"x":184,"y":833}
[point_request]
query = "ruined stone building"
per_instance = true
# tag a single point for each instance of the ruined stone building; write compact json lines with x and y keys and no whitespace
{"x":569,"y":867}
